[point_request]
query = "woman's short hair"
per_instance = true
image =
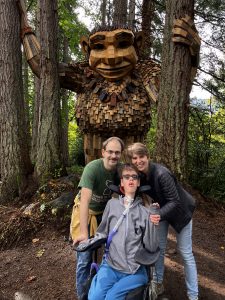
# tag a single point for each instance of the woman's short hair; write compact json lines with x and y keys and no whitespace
{"x":138,"y":149}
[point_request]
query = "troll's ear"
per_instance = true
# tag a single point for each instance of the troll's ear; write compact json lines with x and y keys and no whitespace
{"x":139,"y":39}
{"x":85,"y":45}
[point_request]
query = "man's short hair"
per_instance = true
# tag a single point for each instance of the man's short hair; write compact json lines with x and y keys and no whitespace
{"x":112,"y":138}
{"x":137,"y":149}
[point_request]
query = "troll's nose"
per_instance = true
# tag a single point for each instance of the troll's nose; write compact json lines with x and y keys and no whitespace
{"x":111,"y":57}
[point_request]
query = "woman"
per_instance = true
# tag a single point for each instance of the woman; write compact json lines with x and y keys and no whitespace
{"x":176,"y":209}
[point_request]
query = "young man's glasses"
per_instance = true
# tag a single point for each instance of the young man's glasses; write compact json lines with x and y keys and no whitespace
{"x":127,"y":177}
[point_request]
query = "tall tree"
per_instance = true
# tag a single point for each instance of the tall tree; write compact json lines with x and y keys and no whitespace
{"x":48,"y":149}
{"x":131,"y":15}
{"x":65,"y":110}
{"x":120,"y":12}
{"x":36,"y":102}
{"x":103,"y":12}
{"x":173,"y":101}
{"x":147,"y":17}
{"x":15,"y":165}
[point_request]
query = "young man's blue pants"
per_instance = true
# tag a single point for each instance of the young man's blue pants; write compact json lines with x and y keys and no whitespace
{"x":110,"y":284}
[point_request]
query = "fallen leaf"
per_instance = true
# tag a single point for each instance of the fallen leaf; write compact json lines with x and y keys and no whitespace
{"x":40,"y":252}
{"x":35,"y":240}
{"x":31,"y":278}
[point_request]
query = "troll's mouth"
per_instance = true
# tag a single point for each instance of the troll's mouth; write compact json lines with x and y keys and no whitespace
{"x":113,"y":69}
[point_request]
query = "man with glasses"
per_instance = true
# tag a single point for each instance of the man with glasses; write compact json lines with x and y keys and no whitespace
{"x":91,"y":201}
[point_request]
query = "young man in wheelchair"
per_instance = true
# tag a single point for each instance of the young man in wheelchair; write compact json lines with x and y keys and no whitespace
{"x":132,"y":241}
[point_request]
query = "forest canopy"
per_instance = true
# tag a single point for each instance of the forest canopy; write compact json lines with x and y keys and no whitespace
{"x":45,"y":139}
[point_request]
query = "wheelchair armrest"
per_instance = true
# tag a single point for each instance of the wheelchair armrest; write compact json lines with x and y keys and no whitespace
{"x":90,"y":244}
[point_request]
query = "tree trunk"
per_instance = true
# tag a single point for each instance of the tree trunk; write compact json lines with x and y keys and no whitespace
{"x":48,"y":162}
{"x":26,"y":93}
{"x":65,"y":110}
{"x":103,"y":12}
{"x":147,"y":17}
{"x":173,"y":101}
{"x":120,"y":12}
{"x":36,"y":102}
{"x":15,"y":165}
{"x":131,"y":15}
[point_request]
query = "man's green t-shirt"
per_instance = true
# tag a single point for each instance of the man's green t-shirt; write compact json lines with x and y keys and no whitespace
{"x":96,"y":178}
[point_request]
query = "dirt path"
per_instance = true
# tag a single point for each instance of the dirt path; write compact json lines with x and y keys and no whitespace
{"x":44,"y":268}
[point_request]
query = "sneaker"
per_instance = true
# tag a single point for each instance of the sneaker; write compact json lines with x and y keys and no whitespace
{"x":157,"y":288}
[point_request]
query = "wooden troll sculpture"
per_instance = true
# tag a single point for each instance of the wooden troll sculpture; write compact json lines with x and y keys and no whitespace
{"x":114,"y":89}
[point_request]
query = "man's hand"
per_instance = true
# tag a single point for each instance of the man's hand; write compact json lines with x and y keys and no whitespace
{"x":80,"y":238}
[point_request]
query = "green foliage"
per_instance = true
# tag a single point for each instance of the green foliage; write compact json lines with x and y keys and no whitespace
{"x":72,"y":28}
{"x":207,"y":150}
{"x":92,"y":11}
{"x":150,"y":140}
{"x":76,"y":169}
{"x":76,"y":152}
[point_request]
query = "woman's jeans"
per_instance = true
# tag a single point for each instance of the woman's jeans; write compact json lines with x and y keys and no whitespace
{"x":184,"y":246}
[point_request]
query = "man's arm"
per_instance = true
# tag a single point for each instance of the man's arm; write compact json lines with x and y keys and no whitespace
{"x":85,"y":199}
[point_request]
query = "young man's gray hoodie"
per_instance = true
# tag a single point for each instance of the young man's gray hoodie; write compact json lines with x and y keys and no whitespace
{"x":134,"y":233}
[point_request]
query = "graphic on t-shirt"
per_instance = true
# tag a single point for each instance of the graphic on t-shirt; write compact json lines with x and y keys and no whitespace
{"x":107,"y":192}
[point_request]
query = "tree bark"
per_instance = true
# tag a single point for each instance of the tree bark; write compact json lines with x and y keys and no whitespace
{"x":103,"y":12}
{"x":25,"y":72}
{"x":48,"y":162}
{"x":36,"y":102}
{"x":65,"y":110}
{"x":173,"y":101}
{"x":120,"y":12}
{"x":15,"y":165}
{"x":131,"y":15}
{"x":147,"y":17}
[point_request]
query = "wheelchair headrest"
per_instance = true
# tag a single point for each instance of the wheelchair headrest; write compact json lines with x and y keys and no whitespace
{"x":118,"y":190}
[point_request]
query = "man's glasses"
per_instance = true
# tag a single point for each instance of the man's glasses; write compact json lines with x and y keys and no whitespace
{"x":127,"y":177}
{"x":110,"y":152}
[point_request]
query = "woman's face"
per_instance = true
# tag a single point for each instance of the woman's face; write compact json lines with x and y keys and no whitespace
{"x":141,"y":162}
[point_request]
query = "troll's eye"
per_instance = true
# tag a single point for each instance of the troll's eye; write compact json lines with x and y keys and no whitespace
{"x":98,"y":47}
{"x":124,"y":44}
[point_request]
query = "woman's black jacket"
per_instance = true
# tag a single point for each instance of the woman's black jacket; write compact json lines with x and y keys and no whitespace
{"x":176,"y":204}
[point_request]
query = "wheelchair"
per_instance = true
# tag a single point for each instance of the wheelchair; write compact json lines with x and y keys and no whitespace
{"x":144,"y":292}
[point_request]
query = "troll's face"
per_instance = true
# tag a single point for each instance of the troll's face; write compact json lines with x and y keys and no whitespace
{"x":112,"y":54}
